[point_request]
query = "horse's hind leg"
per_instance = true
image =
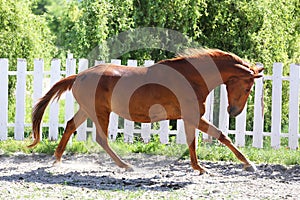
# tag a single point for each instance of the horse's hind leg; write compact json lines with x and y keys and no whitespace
{"x":101,"y":138}
{"x":102,"y":141}
{"x":71,"y":127}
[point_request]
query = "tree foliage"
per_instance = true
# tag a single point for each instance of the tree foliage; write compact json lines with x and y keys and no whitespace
{"x":23,"y":35}
{"x":261,"y":31}
{"x":84,"y":27}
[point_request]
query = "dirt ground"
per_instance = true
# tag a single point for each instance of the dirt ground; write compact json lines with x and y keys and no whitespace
{"x":95,"y":176}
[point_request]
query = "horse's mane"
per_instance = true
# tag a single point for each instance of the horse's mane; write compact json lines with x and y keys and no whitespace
{"x":204,"y":53}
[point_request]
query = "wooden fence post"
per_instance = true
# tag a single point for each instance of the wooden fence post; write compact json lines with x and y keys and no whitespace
{"x":69,"y":101}
{"x":180,"y":137}
{"x":223,"y":114}
{"x":3,"y":98}
{"x":258,"y":114}
{"x":129,"y":125}
{"x":294,"y":106}
{"x":276,"y":105}
{"x":164,"y":131}
{"x":146,"y":127}
{"x":81,"y":130}
{"x":20,"y":99}
{"x":240,"y":128}
{"x":54,"y":107}
{"x":38,"y":75}
{"x":209,"y":114}
{"x":113,"y":118}
{"x":38,"y":72}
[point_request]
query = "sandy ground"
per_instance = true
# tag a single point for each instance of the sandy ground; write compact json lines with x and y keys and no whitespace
{"x":95,"y":176}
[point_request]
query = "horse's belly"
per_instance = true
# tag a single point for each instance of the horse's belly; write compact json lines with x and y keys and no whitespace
{"x":153,"y":113}
{"x":148,"y":103}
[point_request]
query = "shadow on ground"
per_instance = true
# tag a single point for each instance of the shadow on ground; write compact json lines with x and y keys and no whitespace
{"x":154,"y":173}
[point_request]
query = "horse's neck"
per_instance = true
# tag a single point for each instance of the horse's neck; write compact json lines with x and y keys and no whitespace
{"x":212,"y":75}
{"x":204,"y":73}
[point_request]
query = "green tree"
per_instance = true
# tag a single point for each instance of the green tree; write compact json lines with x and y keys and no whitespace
{"x":120,"y":16}
{"x":23,"y":35}
{"x":178,"y":15}
{"x":84,"y":28}
{"x":52,"y":10}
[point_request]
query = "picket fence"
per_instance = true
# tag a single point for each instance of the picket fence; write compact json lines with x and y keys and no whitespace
{"x":42,"y":80}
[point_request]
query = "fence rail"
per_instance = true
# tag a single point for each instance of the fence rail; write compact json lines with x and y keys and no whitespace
{"x":42,"y":80}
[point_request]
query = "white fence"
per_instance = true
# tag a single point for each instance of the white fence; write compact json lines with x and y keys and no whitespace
{"x":42,"y":80}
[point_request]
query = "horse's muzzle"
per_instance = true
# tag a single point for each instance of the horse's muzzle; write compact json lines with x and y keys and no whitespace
{"x":233,"y":111}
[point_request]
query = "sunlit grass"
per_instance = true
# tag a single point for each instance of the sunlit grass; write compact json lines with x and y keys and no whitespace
{"x":216,"y":152}
{"x":205,"y":151}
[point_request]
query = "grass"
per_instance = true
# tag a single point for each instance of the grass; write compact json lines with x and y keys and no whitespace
{"x":205,"y":151}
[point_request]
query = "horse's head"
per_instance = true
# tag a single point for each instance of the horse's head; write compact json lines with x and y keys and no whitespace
{"x":239,"y":87}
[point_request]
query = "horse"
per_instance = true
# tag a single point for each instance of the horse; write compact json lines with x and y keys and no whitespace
{"x":168,"y":90}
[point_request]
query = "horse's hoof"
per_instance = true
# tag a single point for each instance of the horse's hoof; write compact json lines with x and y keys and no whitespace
{"x":208,"y":172}
{"x":250,"y":167}
{"x":200,"y":169}
{"x":56,"y":163}
{"x":201,"y":172}
{"x":129,"y":168}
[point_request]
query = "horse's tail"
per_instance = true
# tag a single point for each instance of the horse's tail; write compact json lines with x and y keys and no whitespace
{"x":54,"y":93}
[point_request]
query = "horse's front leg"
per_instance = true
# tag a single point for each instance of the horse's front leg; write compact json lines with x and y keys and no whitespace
{"x":211,"y":130}
{"x":191,"y":141}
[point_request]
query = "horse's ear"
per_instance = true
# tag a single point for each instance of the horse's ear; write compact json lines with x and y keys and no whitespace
{"x":251,"y":76}
{"x":250,"y":73}
{"x":260,"y":69}
{"x":257,"y":75}
{"x":243,"y":68}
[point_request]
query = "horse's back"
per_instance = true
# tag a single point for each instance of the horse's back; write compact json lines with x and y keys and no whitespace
{"x":97,"y":83}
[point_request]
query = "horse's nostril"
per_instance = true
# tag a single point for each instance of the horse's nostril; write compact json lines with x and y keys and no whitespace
{"x":232,"y":111}
{"x":229,"y":109}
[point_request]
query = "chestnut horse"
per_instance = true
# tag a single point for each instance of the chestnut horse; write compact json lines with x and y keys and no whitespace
{"x":170,"y":89}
